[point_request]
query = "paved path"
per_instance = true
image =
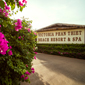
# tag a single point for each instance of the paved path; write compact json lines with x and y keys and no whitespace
{"x":57,"y":70}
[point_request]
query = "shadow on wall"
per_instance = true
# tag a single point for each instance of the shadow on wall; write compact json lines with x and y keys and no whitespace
{"x":35,"y":79}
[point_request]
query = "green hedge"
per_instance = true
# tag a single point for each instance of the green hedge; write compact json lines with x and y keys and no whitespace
{"x":69,"y":50}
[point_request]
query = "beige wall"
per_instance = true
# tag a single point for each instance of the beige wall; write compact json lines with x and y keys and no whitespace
{"x":62,"y":36}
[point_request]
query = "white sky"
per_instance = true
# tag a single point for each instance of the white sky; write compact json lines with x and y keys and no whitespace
{"x":47,"y":12}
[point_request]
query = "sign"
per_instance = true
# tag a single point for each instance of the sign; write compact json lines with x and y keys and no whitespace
{"x":61,"y":36}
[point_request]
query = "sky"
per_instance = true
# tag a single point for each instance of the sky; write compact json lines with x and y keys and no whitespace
{"x":47,"y":12}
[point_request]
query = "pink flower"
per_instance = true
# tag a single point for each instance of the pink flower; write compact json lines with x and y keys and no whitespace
{"x":59,"y":52}
{"x":10,"y":53}
{"x":22,"y":76}
{"x":35,"y":33}
{"x":15,"y":23}
{"x":26,"y":65}
{"x":3,"y":44}
{"x":26,"y":78}
{"x":26,"y":2}
{"x":30,"y":24}
{"x":10,"y":47}
{"x":27,"y":73}
{"x":1,"y":35}
{"x":20,"y":3}
{"x":32,"y":68}
{"x":19,"y":37}
{"x":2,"y":52}
{"x":29,"y":30}
{"x":23,"y":35}
{"x":0,"y":10}
{"x":0,"y":25}
{"x":22,"y":38}
{"x":23,"y":1}
{"x":35,"y":57}
{"x":18,"y":25}
{"x":33,"y":71}
{"x":35,"y":52}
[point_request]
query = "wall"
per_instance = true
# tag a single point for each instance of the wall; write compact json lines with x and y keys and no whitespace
{"x":62,"y":36}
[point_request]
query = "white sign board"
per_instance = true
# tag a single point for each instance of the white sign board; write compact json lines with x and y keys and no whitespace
{"x":61,"y":36}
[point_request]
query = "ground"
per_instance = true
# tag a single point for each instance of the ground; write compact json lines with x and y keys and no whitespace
{"x":57,"y":70}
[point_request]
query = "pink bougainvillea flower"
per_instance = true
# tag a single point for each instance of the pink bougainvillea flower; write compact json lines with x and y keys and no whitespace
{"x":23,"y":1}
{"x":10,"y":47}
{"x":28,"y":30}
{"x":35,"y":52}
{"x":0,"y":25}
{"x":0,"y":10}
{"x":22,"y":76}
{"x":18,"y":25}
{"x":27,"y":73}
{"x":16,"y":28}
{"x":10,"y":53}
{"x":35,"y":57}
{"x":2,"y":52}
{"x":19,"y":37}
{"x":6,"y":14}
{"x":23,"y":35}
{"x":7,"y":8}
{"x":35,"y":33}
{"x":15,"y":23}
{"x":22,"y":38}
{"x":32,"y":69}
{"x":29,"y":24}
{"x":26,"y":65}
{"x":1,"y":35}
{"x":20,"y":3}
{"x":26,"y":78}
{"x":26,"y":2}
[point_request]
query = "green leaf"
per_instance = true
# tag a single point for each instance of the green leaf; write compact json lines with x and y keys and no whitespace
{"x":12,"y":6}
{"x":2,"y":4}
{"x":4,"y":23}
{"x":1,"y":20}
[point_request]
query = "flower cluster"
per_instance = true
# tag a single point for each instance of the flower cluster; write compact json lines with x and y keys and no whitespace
{"x":33,"y":70}
{"x":22,"y":3}
{"x":0,"y":27}
{"x":35,"y":52}
{"x":21,"y":37}
{"x":35,"y":33}
{"x":5,"y":11}
{"x":28,"y":29}
{"x":25,"y":76}
{"x":35,"y":57}
{"x":3,"y":44}
{"x":18,"y":25}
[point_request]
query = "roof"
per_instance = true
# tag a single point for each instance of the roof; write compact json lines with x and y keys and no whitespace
{"x":60,"y":26}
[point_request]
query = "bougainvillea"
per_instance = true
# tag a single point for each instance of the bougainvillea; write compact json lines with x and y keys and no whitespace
{"x":16,"y":45}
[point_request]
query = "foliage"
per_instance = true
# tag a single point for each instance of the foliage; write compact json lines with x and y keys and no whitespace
{"x":69,"y":50}
{"x":19,"y":41}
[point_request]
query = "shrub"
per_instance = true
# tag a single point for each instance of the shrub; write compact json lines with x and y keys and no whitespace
{"x":69,"y":50}
{"x":17,"y":43}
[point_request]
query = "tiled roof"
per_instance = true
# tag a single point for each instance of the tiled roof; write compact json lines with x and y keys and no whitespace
{"x":60,"y":26}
